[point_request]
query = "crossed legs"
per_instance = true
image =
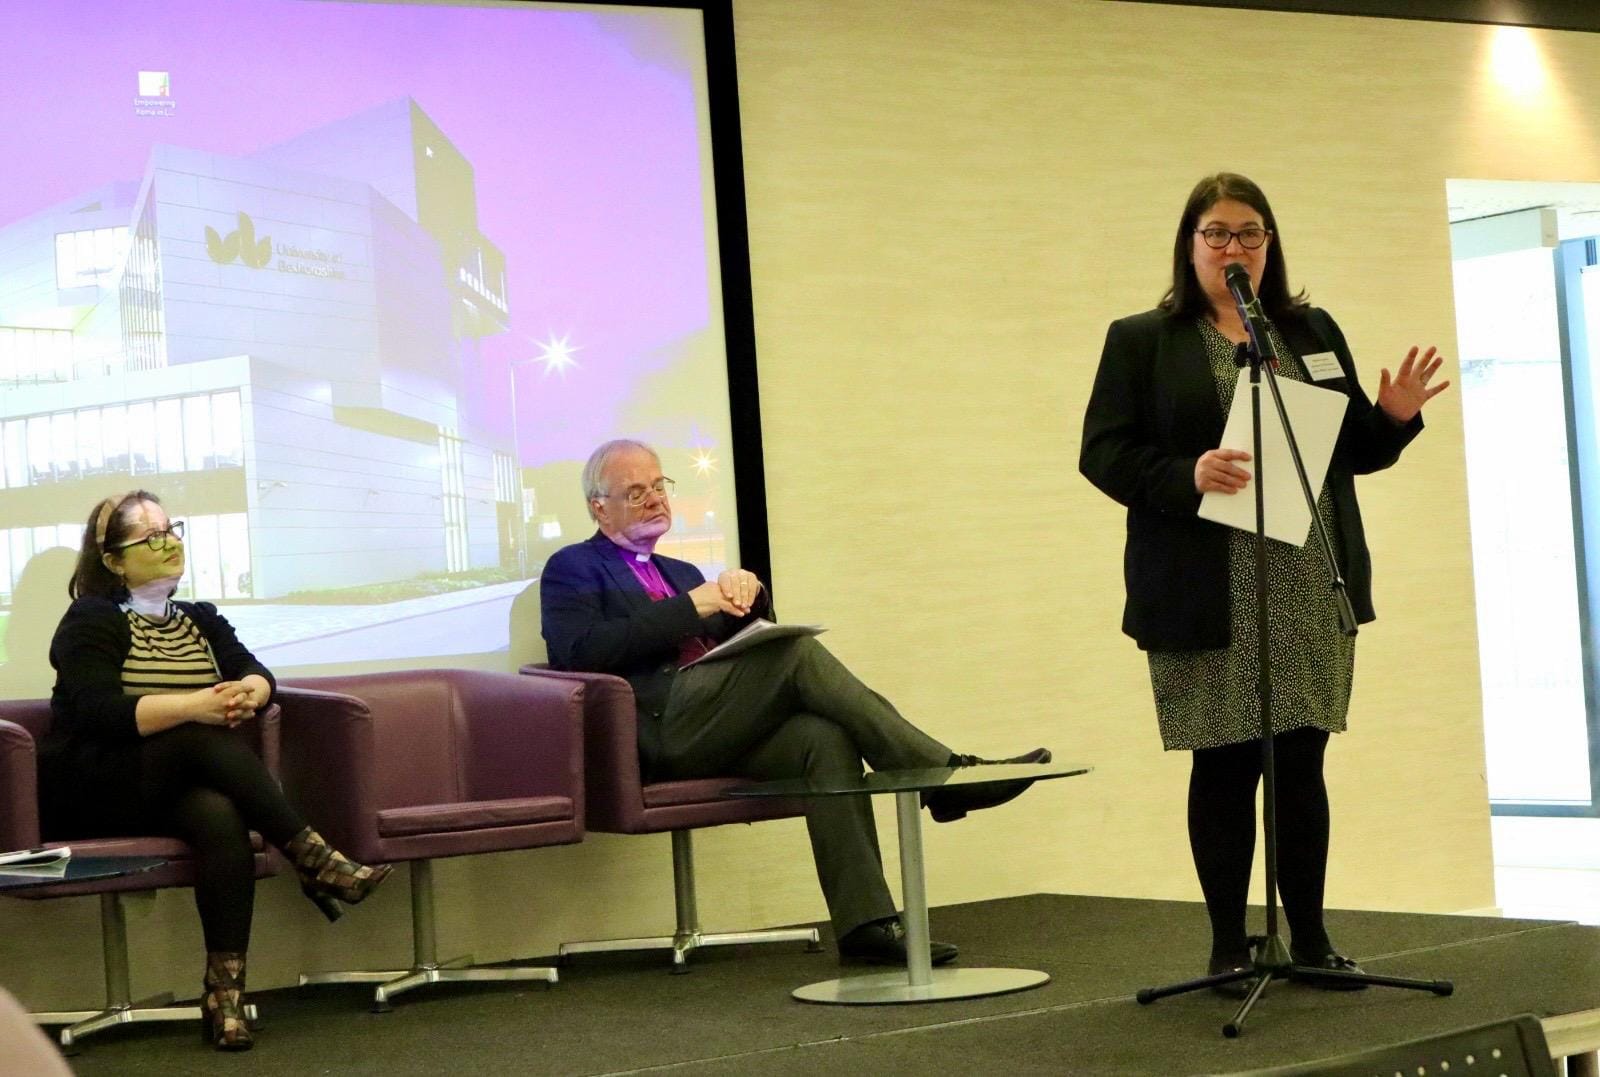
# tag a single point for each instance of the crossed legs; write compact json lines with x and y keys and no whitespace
{"x":204,"y":785}
{"x":788,"y":710}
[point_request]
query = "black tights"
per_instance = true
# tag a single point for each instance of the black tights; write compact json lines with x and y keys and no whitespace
{"x":205,"y":785}
{"x":1222,"y":836}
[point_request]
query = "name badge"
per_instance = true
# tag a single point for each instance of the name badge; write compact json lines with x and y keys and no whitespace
{"x":1323,"y":366}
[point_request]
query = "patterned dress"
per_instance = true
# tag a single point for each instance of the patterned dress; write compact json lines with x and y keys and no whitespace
{"x":1205,"y":699}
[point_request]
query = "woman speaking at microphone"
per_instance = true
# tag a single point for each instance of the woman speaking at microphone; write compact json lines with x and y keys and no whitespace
{"x":1155,"y":418}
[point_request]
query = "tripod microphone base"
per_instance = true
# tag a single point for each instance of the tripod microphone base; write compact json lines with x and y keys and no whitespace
{"x":1272,"y":962}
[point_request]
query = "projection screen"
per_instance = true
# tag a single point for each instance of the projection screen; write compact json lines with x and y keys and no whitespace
{"x":355,"y":288}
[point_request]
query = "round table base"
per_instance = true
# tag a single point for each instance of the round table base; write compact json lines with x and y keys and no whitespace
{"x":889,"y":988}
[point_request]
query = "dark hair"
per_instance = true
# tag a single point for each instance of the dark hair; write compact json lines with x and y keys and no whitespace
{"x":91,"y":577}
{"x":1186,"y":298}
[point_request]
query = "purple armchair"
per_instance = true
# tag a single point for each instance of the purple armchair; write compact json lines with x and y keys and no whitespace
{"x":22,"y":724}
{"x":620,"y":801}
{"x":421,"y":764}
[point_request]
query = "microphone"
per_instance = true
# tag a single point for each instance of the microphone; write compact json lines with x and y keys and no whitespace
{"x":1238,"y":278}
{"x":1250,"y":312}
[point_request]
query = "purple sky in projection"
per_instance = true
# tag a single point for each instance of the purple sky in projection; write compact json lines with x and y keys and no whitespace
{"x":581,"y":127}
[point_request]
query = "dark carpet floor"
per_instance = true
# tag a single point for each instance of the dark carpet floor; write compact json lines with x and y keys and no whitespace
{"x":622,"y":1013}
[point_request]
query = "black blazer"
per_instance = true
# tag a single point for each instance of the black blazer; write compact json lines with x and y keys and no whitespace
{"x":1152,"y":413}
{"x":596,"y":617}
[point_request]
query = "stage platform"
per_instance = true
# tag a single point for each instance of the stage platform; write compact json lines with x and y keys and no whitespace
{"x":623,"y":1013}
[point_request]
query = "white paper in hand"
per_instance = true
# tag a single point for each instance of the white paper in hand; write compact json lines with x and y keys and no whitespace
{"x":1316,"y":415}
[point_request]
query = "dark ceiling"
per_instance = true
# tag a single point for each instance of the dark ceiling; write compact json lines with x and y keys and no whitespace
{"x":1543,"y":14}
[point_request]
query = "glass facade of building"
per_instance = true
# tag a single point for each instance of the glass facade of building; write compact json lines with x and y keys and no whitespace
{"x":202,"y":432}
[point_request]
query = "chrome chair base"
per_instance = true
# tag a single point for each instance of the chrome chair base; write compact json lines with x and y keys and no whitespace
{"x":81,"y":1023}
{"x":686,"y":942}
{"x":426,"y":968}
{"x":119,"y":1010}
{"x":689,"y":937}
{"x":456,"y":970}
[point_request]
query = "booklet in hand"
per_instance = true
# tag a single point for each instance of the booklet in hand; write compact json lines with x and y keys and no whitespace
{"x":39,"y":861}
{"x":754,"y":634}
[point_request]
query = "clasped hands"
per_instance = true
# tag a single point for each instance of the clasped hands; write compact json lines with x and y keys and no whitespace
{"x":231,"y":702}
{"x":1400,"y":398}
{"x":734,"y":592}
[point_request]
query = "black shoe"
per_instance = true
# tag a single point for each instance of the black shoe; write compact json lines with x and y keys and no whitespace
{"x":953,"y":802}
{"x":1237,"y":989}
{"x":883,"y":942}
{"x":1332,"y":962}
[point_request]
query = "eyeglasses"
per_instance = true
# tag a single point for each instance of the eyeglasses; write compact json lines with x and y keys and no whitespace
{"x":638,"y":495}
{"x":157,"y":540}
{"x":1250,"y":237}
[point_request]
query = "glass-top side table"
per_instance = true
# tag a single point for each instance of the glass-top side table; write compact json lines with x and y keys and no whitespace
{"x":920,"y":982}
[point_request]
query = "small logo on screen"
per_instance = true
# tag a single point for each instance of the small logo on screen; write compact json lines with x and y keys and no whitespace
{"x":155,"y":84}
{"x":240,"y":244}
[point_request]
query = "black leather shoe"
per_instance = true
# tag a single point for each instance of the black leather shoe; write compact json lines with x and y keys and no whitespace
{"x":953,"y":802}
{"x":1239,"y":988}
{"x":883,"y":942}
{"x":1333,"y":962}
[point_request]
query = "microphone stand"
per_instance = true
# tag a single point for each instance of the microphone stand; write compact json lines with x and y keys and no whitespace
{"x":1271,"y":959}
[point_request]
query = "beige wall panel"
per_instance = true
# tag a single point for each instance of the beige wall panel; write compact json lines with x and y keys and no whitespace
{"x":948,"y":202}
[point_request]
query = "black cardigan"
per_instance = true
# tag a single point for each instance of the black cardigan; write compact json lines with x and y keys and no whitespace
{"x":1152,"y":413}
{"x":89,"y":761}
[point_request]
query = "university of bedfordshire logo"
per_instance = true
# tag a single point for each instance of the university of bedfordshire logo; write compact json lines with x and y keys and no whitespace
{"x":241,"y":244}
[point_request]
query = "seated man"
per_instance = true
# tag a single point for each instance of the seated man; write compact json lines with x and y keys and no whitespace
{"x":785,"y":709}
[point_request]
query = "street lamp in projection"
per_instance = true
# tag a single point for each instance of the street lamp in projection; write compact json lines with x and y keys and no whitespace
{"x":556,"y":357}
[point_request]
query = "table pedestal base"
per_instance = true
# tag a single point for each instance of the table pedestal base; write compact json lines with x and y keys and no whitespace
{"x":888,"y":988}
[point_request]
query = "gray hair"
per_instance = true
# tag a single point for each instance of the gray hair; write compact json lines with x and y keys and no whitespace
{"x":597,"y":465}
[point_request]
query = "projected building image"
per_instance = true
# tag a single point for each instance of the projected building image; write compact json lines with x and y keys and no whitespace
{"x":356,"y":301}
{"x":277,"y":343}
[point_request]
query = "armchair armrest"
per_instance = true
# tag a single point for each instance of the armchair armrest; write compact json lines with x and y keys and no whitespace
{"x":265,"y":737}
{"x":610,"y":748}
{"x":328,"y":766}
{"x":19,"y":788}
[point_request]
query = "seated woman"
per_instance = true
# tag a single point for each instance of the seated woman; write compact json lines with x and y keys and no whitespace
{"x":147,"y":693}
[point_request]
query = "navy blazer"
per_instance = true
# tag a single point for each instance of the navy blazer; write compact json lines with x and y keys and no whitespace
{"x":1152,"y":413}
{"x":596,"y":617}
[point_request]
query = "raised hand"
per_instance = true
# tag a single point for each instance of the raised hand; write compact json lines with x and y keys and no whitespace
{"x":1402,"y":396}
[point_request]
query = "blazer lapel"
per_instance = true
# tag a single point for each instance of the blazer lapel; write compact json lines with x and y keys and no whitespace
{"x":1184,"y":371}
{"x":620,"y":575}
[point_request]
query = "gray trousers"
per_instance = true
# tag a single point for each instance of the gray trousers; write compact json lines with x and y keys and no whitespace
{"x":789,"y":709}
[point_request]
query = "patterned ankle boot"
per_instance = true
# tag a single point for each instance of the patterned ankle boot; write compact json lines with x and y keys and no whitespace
{"x":222,"y":1020}
{"x":327,"y":876}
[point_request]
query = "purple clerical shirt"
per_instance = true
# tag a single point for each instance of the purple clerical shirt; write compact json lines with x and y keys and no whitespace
{"x":657,"y":587}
